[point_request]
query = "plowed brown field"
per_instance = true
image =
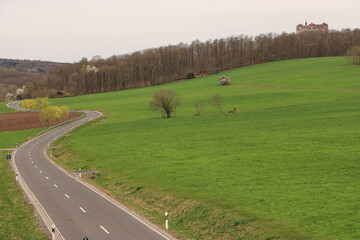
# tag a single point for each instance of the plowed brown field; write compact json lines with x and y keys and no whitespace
{"x":26,"y":120}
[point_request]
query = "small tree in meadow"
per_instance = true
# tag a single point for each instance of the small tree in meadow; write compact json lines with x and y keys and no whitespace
{"x":165,"y":101}
{"x":217,"y":101}
{"x":199,"y":107}
{"x":354,"y":55}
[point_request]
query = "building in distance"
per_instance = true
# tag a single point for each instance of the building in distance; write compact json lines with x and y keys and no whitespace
{"x":311,"y":27}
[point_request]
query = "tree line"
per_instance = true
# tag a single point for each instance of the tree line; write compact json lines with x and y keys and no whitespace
{"x":15,"y":74}
{"x":174,"y":62}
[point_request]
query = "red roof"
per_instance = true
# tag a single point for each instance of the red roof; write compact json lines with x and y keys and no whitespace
{"x":312,"y":25}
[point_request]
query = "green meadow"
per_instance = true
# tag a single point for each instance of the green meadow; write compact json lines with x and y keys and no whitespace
{"x":10,"y":138}
{"x":285,"y":165}
{"x":4,"y":108}
{"x":17,"y":220}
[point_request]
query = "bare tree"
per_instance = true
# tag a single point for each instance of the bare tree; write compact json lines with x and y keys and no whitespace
{"x":166,"y":101}
{"x":354,"y":55}
{"x":217,"y":100}
{"x":199,"y":107}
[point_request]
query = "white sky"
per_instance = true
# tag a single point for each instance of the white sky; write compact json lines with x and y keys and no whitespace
{"x":68,"y":30}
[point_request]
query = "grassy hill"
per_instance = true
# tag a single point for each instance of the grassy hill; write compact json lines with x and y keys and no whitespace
{"x":285,"y":165}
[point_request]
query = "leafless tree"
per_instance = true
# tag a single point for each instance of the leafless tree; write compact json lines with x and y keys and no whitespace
{"x":354,"y":55}
{"x":166,"y":101}
{"x":217,"y":101}
{"x":199,"y":107}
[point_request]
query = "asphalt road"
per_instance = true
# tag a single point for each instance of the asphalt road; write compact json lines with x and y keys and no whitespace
{"x":75,"y":209}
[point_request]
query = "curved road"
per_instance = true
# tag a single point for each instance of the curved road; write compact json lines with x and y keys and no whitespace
{"x":75,"y":209}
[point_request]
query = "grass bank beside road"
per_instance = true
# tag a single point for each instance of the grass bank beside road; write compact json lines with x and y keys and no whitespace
{"x":9,"y":139}
{"x":284,"y":166}
{"x":4,"y":108}
{"x":17,"y":221}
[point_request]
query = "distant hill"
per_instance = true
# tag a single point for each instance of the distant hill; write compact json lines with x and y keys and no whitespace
{"x":28,"y":66}
{"x":16,"y":73}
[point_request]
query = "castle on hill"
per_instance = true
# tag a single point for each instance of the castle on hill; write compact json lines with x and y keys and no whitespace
{"x":311,"y":27}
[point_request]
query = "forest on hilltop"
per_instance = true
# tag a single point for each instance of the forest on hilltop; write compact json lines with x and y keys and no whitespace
{"x":16,"y":73}
{"x":174,"y":62}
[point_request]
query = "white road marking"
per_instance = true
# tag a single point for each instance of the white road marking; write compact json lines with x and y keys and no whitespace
{"x":67,"y":195}
{"x":40,"y":171}
{"x":47,"y":178}
{"x":35,"y":166}
{"x":32,"y":161}
{"x":82,"y":209}
{"x":55,"y":185}
{"x":104,"y":229}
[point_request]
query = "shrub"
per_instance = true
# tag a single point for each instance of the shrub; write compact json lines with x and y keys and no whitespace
{"x":224,"y":80}
{"x":190,"y":75}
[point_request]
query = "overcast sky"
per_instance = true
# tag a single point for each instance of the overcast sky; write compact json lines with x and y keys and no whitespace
{"x":67,"y":30}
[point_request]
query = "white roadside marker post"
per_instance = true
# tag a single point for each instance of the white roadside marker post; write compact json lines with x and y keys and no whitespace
{"x":79,"y":172}
{"x":166,"y":220}
{"x":16,"y":145}
{"x":51,"y":154}
{"x":53,"y":232}
{"x":16,"y":176}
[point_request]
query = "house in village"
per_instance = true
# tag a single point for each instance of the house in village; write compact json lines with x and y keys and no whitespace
{"x":62,"y":93}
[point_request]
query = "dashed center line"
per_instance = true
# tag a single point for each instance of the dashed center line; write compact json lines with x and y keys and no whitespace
{"x":104,"y":229}
{"x":32,"y":161}
{"x":55,"y":185}
{"x":47,"y":178}
{"x":82,"y":209}
{"x":67,"y":195}
{"x":40,"y":171}
{"x":35,"y":166}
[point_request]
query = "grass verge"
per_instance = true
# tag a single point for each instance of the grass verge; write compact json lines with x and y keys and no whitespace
{"x":17,"y":220}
